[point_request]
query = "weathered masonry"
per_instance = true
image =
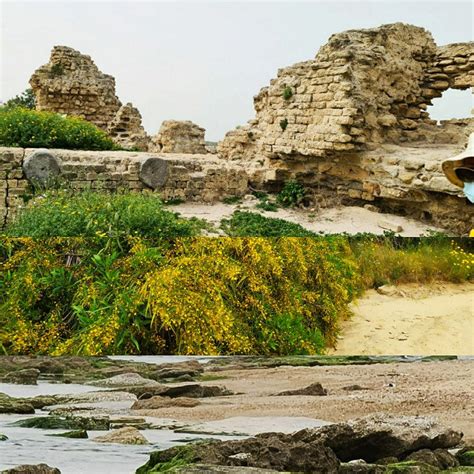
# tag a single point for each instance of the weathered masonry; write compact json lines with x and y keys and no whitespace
{"x":352,"y":125}
{"x":174,"y":176}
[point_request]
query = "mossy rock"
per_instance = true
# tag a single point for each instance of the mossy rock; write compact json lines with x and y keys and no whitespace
{"x":410,"y":467}
{"x":76,"y":434}
{"x":466,"y":458}
{"x":167,"y":460}
{"x":53,"y":422}
{"x":3,"y":437}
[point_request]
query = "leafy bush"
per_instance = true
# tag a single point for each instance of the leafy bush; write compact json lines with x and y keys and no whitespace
{"x":251,"y":224}
{"x":292,"y":194}
{"x":287,"y":93}
{"x":186,"y":296}
{"x":284,"y":124}
{"x":20,"y":127}
{"x":201,"y":295}
{"x":26,"y":99}
{"x":68,"y":213}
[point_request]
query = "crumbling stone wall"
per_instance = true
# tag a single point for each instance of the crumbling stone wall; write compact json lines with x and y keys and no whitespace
{"x":187,"y":177}
{"x":364,"y":88}
{"x":177,"y":136}
{"x":70,"y":83}
{"x":126,"y":129}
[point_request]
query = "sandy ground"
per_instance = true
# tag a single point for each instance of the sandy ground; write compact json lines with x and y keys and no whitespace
{"x":411,"y":320}
{"x":350,"y":219}
{"x":440,"y":389}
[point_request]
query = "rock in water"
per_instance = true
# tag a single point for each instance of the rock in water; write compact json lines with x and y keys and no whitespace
{"x":383,"y":435}
{"x":125,"y":435}
{"x":32,"y":469}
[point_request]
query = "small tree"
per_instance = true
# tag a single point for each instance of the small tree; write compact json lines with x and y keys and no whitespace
{"x":26,"y":99}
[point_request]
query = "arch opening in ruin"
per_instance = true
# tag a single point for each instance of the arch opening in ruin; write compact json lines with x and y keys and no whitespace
{"x":454,"y":104}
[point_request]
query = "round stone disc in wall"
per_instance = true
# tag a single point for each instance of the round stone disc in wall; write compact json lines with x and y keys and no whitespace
{"x":41,"y":166}
{"x":154,"y":172}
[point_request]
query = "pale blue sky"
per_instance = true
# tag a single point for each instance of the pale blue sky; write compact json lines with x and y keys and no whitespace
{"x":204,"y":61}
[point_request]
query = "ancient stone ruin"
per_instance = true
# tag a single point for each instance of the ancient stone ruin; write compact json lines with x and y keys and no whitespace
{"x":70,"y":83}
{"x":364,"y":88}
{"x":126,"y":129}
{"x":351,"y":125}
{"x":177,"y":136}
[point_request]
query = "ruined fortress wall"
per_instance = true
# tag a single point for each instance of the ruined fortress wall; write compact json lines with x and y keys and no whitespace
{"x":70,"y":83}
{"x":187,"y":177}
{"x":403,"y":180}
{"x":364,"y":88}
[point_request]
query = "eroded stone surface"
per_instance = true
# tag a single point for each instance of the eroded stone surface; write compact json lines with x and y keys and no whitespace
{"x":179,"y":136}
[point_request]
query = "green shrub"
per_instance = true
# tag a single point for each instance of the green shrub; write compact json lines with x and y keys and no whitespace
{"x":267,"y":205}
{"x":287,"y":93}
{"x":284,"y":124}
{"x":20,"y":127}
{"x":68,"y":213}
{"x":26,"y":99}
{"x":232,"y":200}
{"x":292,"y":194}
{"x":251,"y":224}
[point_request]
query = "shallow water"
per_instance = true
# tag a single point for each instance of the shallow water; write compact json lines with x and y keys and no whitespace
{"x":75,"y":456}
{"x":45,"y":388}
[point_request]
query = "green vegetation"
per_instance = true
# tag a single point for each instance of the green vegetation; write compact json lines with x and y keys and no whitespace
{"x":251,"y":224}
{"x":25,"y":100}
{"x":22,"y":127}
{"x":66,"y":213}
{"x":287,"y":93}
{"x":92,"y":273}
{"x":292,"y":194}
{"x":161,"y":461}
{"x":284,"y":124}
{"x":232,"y":200}
{"x":196,"y":295}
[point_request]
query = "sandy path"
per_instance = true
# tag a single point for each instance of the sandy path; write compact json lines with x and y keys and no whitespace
{"x":350,"y":219}
{"x":429,"y":319}
{"x":440,"y":389}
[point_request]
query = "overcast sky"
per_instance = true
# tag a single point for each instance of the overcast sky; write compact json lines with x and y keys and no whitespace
{"x":204,"y":61}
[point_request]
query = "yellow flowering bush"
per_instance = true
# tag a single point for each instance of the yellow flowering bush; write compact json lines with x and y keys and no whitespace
{"x":198,"y":295}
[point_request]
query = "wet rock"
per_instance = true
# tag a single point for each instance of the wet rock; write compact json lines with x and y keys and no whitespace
{"x":439,"y":458}
{"x":15,"y":405}
{"x":270,"y":452}
{"x":32,"y":469}
{"x":156,"y":402}
{"x":410,"y":467}
{"x":382,"y":435}
{"x":136,"y":422}
{"x":210,"y":469}
{"x":130,"y":379}
{"x":315,"y":389}
{"x":361,"y":468}
{"x":125,"y":435}
{"x":67,"y":422}
{"x":466,"y":456}
{"x":23,"y":377}
{"x":191,"y":368}
{"x":76,"y":434}
{"x":188,"y":390}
